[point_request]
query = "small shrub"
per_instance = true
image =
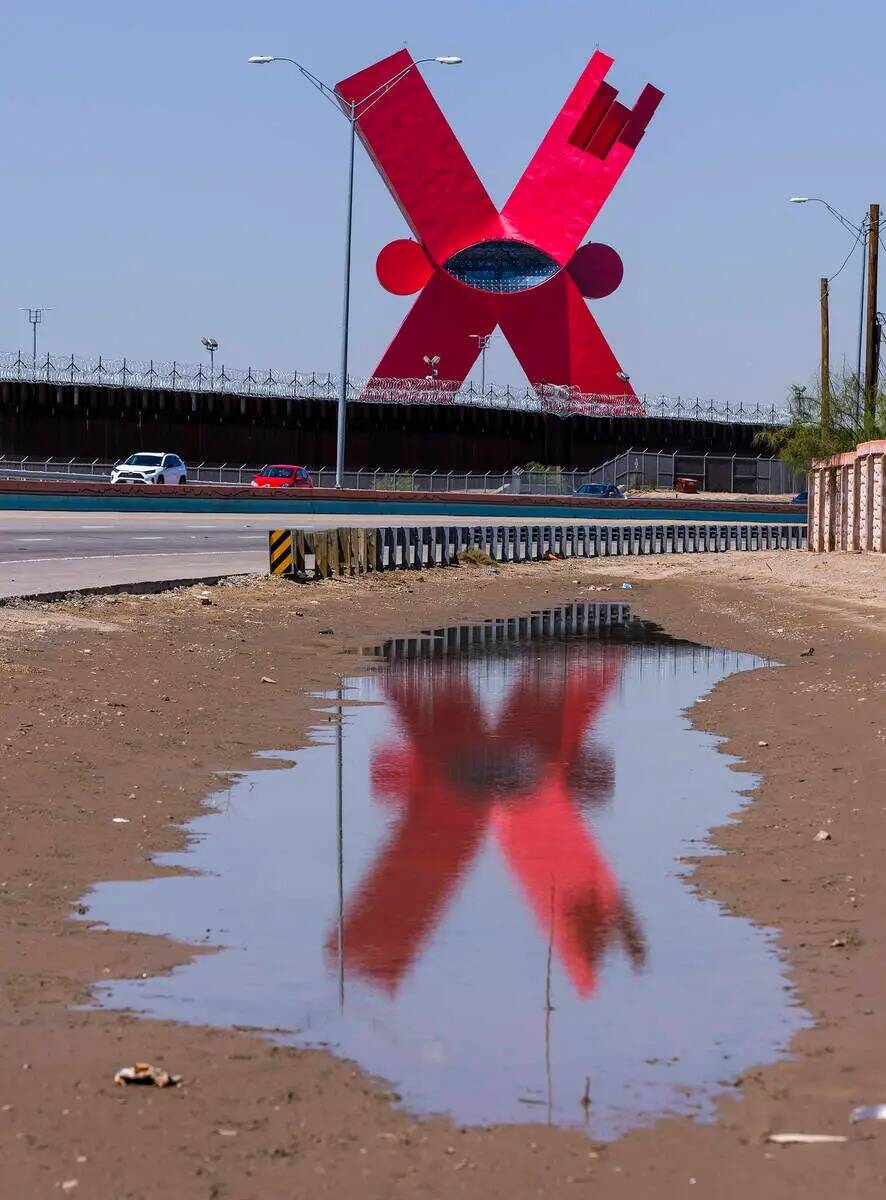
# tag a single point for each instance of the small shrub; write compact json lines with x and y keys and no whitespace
{"x":475,"y":556}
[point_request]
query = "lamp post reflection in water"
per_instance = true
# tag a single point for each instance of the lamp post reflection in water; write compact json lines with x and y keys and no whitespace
{"x":340,"y":845}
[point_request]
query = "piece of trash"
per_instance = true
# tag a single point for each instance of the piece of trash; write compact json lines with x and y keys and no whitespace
{"x":628,"y":587}
{"x":805,"y":1139}
{"x":808,"y":653}
{"x":762,"y":743}
{"x":120,"y":820}
{"x":227,"y":1132}
{"x":267,"y":679}
{"x":145,"y":1075}
{"x":70,"y":1185}
{"x":868,"y":1112}
{"x":205,"y":598}
{"x":838,"y":942}
{"x":822,"y":836}
{"x":326,"y":631}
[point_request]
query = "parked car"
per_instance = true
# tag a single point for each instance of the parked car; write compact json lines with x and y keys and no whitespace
{"x":281,"y":475}
{"x":149,"y":466}
{"x":801,"y":498}
{"x":607,"y":490}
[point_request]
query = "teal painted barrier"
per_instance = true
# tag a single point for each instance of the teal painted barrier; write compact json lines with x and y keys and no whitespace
{"x":37,"y":502}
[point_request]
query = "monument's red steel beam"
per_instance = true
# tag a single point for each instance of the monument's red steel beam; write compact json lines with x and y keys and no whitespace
{"x":544,"y":273}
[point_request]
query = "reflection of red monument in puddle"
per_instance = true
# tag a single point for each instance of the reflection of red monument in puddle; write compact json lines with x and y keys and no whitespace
{"x":525,"y":776}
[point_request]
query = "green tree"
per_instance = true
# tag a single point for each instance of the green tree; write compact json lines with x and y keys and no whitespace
{"x":807,"y":437}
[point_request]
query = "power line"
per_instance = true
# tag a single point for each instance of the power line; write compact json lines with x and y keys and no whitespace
{"x":858,"y":238}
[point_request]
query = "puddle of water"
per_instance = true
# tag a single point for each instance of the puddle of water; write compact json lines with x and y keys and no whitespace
{"x":470,"y":885}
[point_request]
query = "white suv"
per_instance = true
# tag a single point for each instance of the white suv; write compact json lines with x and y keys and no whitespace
{"x":150,"y":467}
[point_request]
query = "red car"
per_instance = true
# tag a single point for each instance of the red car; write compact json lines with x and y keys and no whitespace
{"x":282,"y":475}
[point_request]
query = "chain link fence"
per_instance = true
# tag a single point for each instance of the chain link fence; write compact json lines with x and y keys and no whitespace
{"x":634,"y":470}
{"x":648,"y":470}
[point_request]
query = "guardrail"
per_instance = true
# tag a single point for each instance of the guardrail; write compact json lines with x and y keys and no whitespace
{"x":305,"y":554}
{"x":151,"y":375}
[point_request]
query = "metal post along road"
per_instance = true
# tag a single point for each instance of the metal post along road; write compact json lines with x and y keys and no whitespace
{"x":353,"y":110}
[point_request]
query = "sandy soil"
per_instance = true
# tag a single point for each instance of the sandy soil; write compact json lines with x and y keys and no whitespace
{"x":127,"y":706}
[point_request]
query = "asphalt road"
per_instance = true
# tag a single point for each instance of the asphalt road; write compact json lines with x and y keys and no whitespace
{"x":44,"y":552}
{"x":60,"y":552}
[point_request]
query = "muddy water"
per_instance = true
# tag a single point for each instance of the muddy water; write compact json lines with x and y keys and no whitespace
{"x":472,"y":885}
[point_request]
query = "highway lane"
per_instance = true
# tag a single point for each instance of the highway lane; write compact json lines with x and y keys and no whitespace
{"x":60,"y":552}
{"x":30,"y":536}
{"x":66,"y":551}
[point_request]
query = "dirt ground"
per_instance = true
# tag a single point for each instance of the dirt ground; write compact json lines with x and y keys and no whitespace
{"x":128,"y":706}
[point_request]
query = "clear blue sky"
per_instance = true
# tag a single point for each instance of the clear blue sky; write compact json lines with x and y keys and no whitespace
{"x":157,"y":188}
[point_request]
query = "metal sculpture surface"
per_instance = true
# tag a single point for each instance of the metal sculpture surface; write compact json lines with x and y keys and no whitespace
{"x":523,"y":269}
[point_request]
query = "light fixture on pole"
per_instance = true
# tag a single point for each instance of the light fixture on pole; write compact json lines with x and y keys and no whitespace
{"x":35,"y":316}
{"x":626,"y":379}
{"x":211,"y":345}
{"x":433,"y":361}
{"x":482,"y":340}
{"x":353,"y":110}
{"x":861,"y":234}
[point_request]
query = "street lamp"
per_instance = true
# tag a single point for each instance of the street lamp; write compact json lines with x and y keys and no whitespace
{"x":433,"y":361}
{"x":861,"y":233}
{"x":482,"y":340}
{"x":353,"y":110}
{"x":211,"y":345}
{"x":35,"y":316}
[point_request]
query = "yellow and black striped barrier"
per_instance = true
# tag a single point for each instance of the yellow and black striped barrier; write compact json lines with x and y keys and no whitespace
{"x":280,"y":548}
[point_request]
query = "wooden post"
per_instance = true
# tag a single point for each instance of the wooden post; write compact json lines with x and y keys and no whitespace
{"x":870,"y":374}
{"x":825,"y":360}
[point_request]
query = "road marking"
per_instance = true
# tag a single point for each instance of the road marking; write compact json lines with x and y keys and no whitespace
{"x":148,"y":537}
{"x":96,"y":526}
{"x":248,"y":537}
{"x":201,"y":527}
{"x":17,"y":562}
{"x":34,"y":539}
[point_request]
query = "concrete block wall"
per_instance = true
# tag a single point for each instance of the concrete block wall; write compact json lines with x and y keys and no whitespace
{"x":847,"y":501}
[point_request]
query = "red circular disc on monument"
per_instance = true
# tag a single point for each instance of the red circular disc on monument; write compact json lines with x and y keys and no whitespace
{"x":597,"y":269}
{"x":403,"y":267}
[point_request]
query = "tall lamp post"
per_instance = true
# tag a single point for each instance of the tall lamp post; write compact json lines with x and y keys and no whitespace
{"x":211,"y":345}
{"x":482,"y":340}
{"x":861,"y":234}
{"x":352,"y":110}
{"x":35,"y":316}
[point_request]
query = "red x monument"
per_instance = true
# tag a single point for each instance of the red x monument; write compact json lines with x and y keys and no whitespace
{"x":523,"y":269}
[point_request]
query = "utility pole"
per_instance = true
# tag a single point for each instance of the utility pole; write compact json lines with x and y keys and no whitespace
{"x":871,"y":364}
{"x":825,"y":359}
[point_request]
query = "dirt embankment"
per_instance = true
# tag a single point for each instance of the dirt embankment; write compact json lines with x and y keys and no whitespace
{"x":126,"y":707}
